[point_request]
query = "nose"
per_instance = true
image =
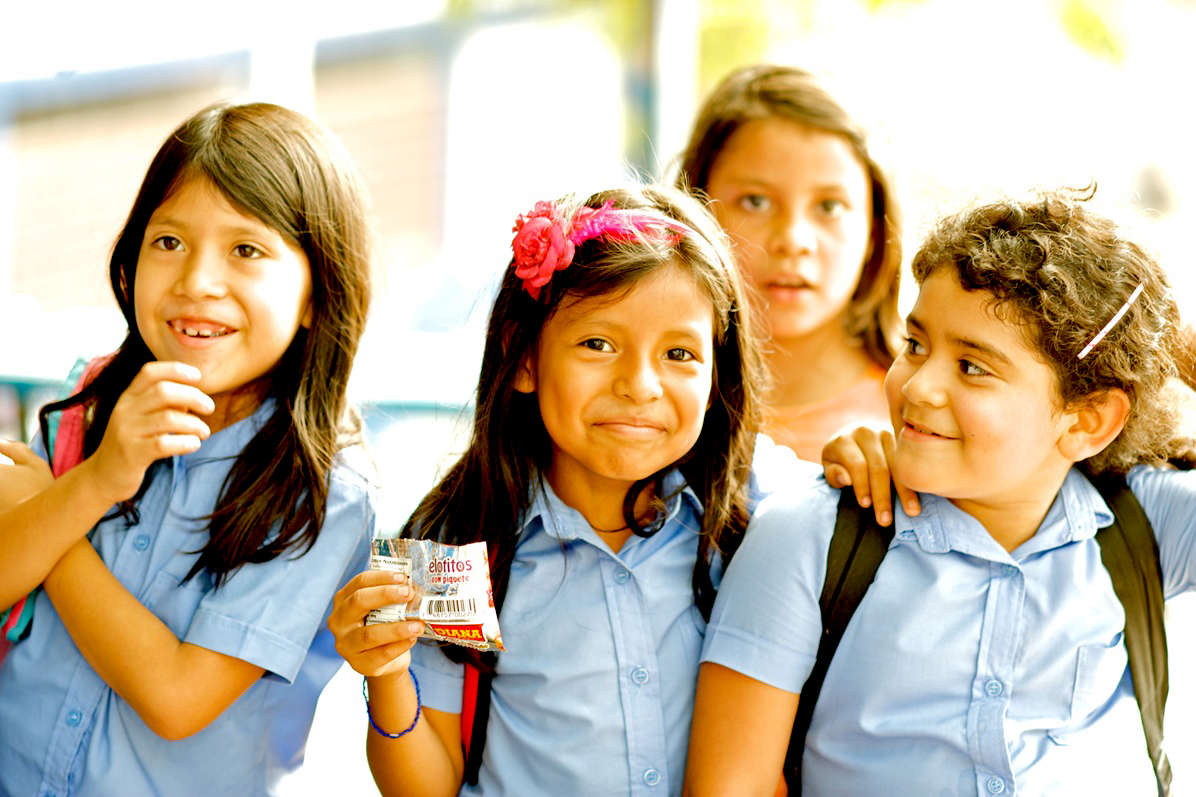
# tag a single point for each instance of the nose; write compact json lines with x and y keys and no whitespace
{"x":638,"y":379}
{"x":793,"y":234}
{"x":926,"y":386}
{"x":202,"y":276}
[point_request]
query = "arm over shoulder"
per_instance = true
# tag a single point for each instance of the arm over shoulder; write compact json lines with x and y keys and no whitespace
{"x":1169,"y":499}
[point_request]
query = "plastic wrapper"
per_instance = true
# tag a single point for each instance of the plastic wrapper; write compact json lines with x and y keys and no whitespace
{"x":453,"y":596}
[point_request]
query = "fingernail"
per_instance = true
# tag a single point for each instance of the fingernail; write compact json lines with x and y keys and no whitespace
{"x":413,"y":628}
{"x":866,"y":501}
{"x":886,"y":518}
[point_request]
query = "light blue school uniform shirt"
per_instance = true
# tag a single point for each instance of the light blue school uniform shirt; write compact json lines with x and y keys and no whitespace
{"x":966,"y":670}
{"x":594,"y":692}
{"x":63,"y":731}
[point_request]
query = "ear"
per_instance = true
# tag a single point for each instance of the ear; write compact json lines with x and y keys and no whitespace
{"x":525,"y":377}
{"x":1094,"y":425}
{"x":305,"y":321}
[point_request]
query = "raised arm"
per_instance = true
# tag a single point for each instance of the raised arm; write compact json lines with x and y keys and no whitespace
{"x":156,"y":417}
{"x":176,"y":688}
{"x":427,"y":760}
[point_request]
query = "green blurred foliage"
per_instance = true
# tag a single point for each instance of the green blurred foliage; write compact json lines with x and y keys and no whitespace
{"x":1087,"y":23}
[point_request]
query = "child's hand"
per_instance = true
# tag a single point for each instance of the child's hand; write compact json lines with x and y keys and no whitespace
{"x":860,"y":456}
{"x":27,"y":475}
{"x":373,"y":650}
{"x":156,"y":417}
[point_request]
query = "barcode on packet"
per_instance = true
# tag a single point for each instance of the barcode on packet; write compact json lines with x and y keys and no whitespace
{"x":449,"y":608}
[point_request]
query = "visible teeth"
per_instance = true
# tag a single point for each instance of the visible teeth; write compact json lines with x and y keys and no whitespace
{"x":191,"y":332}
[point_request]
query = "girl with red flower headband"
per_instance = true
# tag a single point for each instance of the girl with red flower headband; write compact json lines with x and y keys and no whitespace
{"x":609,"y":472}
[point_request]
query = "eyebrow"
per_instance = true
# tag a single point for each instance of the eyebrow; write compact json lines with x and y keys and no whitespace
{"x":967,"y":343}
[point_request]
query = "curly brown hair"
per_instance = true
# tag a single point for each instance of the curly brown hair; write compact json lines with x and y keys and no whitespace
{"x":1062,"y":272}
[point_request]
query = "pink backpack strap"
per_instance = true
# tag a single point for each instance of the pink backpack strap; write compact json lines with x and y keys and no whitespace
{"x":67,"y":452}
{"x":68,"y":439}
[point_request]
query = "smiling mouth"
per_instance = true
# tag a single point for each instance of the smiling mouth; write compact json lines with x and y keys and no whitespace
{"x":630,"y":426}
{"x":200,"y":330}
{"x":925,"y":431}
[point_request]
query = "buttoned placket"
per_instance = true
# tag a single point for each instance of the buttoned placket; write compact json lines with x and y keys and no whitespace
{"x":635,"y":655}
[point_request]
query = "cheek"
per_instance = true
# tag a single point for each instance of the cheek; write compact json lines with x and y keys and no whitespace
{"x":847,"y":264}
{"x":895,"y":379}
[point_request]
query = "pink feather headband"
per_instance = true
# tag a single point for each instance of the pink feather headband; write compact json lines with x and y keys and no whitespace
{"x":545,"y":240}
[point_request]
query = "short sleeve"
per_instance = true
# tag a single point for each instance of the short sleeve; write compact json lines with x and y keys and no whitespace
{"x":1169,"y":499}
{"x":268,"y":613}
{"x":766,"y":623}
{"x":441,"y":681}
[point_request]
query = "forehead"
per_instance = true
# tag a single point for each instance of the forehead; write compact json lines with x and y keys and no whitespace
{"x":788,"y":149}
{"x":669,"y":294}
{"x":943,"y":306}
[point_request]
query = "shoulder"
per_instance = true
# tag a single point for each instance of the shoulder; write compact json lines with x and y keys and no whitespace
{"x":1165,"y":494}
{"x":776,"y":469}
{"x":1168,"y":497}
{"x":354,"y":471}
{"x":791,"y":528}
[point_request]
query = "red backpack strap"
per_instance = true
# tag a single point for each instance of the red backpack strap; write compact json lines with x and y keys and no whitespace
{"x":469,"y":704}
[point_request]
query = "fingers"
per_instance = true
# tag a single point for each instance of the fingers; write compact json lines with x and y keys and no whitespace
{"x":19,"y":453}
{"x":157,"y":416}
{"x":365,"y":592}
{"x":844,"y":464}
{"x":380,"y":648}
{"x":161,"y":407}
{"x":860,"y":456}
{"x":171,"y":384}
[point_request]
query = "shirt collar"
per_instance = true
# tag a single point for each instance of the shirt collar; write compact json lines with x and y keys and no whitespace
{"x":1076,"y":513}
{"x":229,"y":441}
{"x":558,"y":519}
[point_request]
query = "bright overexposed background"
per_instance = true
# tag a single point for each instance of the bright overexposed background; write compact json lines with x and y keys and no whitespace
{"x":463,"y":113}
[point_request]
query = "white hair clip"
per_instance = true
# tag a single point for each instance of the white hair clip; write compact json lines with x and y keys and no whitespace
{"x":1112,"y":321}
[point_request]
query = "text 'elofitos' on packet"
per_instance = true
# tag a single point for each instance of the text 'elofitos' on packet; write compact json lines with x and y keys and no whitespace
{"x":453,"y":597}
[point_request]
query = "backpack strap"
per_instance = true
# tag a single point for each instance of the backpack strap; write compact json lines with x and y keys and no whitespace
{"x":64,"y":448}
{"x":475,"y":714}
{"x":1130,"y":553}
{"x":857,"y":547}
{"x":475,"y":699}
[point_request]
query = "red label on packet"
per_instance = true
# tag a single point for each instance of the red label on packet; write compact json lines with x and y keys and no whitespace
{"x":453,"y":596}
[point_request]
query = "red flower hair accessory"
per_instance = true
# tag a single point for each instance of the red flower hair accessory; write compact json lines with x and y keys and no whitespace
{"x":545,"y":240}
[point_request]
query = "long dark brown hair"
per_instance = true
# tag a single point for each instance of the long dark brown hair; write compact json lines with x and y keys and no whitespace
{"x":485,"y":494}
{"x":1062,"y":271}
{"x":280,"y":167}
{"x":783,"y":92}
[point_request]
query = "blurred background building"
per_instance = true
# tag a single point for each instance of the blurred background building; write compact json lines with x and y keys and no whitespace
{"x":463,"y":113}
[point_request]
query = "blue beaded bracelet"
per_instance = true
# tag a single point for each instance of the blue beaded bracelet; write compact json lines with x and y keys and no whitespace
{"x":418,"y":707}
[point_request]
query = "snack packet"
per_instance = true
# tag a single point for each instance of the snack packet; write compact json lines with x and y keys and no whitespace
{"x":453,"y":597}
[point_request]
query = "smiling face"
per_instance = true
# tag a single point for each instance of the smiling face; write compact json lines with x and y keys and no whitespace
{"x":797,"y":204}
{"x":219,"y":290}
{"x":623,"y":383}
{"x":974,"y":407}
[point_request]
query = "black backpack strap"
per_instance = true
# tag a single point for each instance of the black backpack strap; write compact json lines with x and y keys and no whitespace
{"x":857,"y":547}
{"x":1131,"y":555}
